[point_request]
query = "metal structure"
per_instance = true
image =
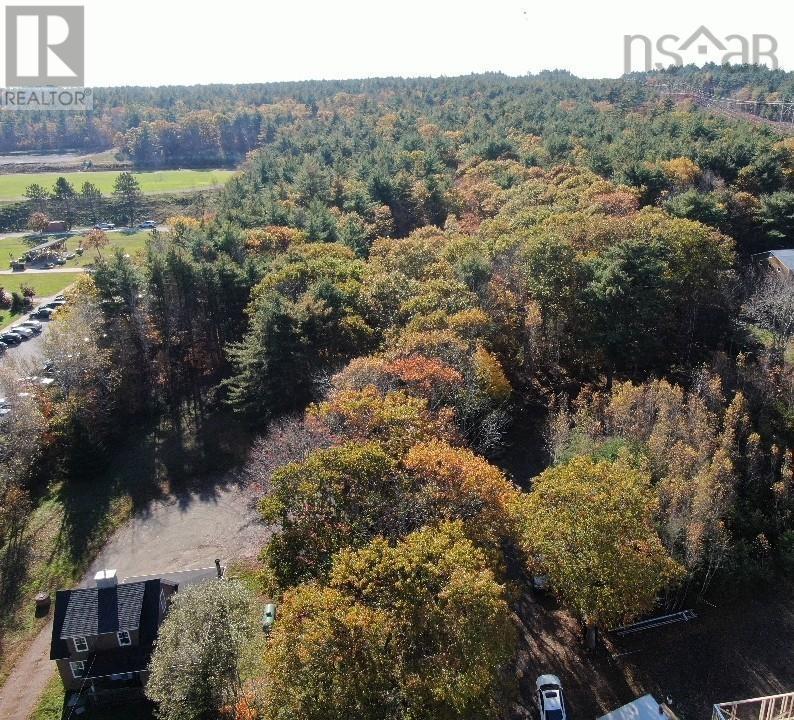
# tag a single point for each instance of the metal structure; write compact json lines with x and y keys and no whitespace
{"x":777,"y":114}
{"x":770,"y":707}
{"x":660,"y":621}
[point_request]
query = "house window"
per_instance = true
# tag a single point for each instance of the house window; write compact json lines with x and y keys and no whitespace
{"x":124,"y":638}
{"x":78,"y":669}
{"x":80,"y":644}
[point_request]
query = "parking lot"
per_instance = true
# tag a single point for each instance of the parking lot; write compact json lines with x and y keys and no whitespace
{"x":28,"y":346}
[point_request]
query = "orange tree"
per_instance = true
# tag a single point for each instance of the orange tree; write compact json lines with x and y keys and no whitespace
{"x":344,"y":496}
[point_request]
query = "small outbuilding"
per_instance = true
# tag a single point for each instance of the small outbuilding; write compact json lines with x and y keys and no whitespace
{"x":56,"y":226}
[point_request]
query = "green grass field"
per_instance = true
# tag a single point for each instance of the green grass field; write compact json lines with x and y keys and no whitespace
{"x":12,"y":186}
{"x":128,"y":241}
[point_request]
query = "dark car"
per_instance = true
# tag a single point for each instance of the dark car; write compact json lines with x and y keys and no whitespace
{"x":10,"y":338}
{"x":43,"y":313}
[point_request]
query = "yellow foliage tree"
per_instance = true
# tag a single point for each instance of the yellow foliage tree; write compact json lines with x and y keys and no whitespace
{"x":682,"y":171}
{"x":491,"y":376}
{"x":589,"y":527}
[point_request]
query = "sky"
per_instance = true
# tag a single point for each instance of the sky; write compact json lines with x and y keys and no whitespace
{"x":162,"y":42}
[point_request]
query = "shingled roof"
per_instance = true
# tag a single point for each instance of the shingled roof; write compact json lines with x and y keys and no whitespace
{"x":88,"y":612}
{"x":94,"y":611}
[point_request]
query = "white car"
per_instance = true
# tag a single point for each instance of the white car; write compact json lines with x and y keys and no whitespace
{"x":34,"y":325}
{"x":25,"y":332}
{"x":551,"y":703}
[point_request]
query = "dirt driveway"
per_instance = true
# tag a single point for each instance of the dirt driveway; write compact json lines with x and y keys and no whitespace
{"x":186,"y":532}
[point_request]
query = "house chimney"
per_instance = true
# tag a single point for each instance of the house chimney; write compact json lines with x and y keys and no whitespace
{"x":105,"y":579}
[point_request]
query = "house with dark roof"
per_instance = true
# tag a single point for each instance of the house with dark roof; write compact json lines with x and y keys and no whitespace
{"x":103,"y":636}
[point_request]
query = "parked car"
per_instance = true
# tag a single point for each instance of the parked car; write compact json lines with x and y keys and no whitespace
{"x":104,"y":226}
{"x":71,"y":256}
{"x":60,"y":297}
{"x":55,"y":304}
{"x":43,"y":313}
{"x":551,"y":703}
{"x":539,"y":580}
{"x":3,"y":347}
{"x":11,"y":338}
{"x":148,"y":224}
{"x":60,"y":261}
{"x":25,"y":332}
{"x":34,"y":325}
{"x":268,"y":617}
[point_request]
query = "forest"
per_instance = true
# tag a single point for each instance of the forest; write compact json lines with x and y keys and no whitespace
{"x":411,"y":292}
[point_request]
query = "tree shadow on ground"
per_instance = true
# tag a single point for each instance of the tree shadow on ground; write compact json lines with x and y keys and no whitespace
{"x":738,"y":647}
{"x":14,"y":562}
{"x":150,"y":465}
{"x":551,"y":641}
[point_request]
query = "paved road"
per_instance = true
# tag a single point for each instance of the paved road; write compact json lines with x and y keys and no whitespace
{"x":178,"y":538}
{"x":39,"y":271}
{"x":75,"y":231}
{"x":186,"y":532}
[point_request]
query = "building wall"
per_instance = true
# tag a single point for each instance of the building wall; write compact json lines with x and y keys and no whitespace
{"x":106,"y":641}
{"x":65,"y":671}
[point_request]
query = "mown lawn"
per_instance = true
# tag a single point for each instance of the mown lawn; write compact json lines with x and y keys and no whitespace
{"x":76,"y":517}
{"x":12,"y":186}
{"x":51,"y":703}
{"x":129,"y":241}
{"x":63,"y":532}
{"x":46,"y":282}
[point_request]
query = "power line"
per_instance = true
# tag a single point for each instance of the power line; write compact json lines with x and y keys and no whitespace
{"x":775,"y":113}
